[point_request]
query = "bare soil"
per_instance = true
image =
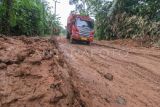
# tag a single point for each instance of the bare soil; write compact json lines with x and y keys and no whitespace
{"x":51,"y":72}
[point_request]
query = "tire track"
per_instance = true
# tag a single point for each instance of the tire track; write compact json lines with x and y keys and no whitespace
{"x":145,"y":55}
{"x":146,"y":74}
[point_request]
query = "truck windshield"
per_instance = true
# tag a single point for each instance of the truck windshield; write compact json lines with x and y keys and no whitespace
{"x":84,"y":23}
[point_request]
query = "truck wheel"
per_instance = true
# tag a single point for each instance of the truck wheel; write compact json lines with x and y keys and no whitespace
{"x":88,"y":43}
{"x":68,"y":35}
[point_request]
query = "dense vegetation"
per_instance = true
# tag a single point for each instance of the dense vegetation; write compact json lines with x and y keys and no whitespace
{"x":27,"y":17}
{"x":125,"y":18}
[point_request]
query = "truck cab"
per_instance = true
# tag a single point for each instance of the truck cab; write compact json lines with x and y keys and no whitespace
{"x":80,"y":28}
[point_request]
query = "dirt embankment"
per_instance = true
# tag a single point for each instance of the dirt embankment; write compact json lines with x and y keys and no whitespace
{"x":33,"y":73}
{"x":51,"y":72}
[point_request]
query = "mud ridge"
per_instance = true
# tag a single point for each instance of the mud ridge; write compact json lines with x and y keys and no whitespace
{"x":34,"y":73}
{"x":76,"y":99}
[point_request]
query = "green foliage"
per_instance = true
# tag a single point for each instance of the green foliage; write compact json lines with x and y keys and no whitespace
{"x":28,"y":17}
{"x":126,"y":18}
{"x":125,"y":26}
{"x":63,"y":31}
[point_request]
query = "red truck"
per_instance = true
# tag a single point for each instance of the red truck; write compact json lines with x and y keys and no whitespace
{"x":80,"y":28}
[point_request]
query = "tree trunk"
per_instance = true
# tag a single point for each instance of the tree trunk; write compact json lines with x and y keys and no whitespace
{"x":112,"y":9}
{"x":8,"y":5}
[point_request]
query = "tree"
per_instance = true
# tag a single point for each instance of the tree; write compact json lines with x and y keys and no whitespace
{"x":27,"y":17}
{"x":7,"y":6}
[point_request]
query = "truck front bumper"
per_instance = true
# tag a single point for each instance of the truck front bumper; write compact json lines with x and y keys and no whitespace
{"x":83,"y":38}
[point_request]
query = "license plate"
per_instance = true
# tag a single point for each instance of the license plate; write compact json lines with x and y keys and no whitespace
{"x":83,"y":38}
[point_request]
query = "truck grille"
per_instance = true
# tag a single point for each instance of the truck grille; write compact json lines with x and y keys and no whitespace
{"x":84,"y":31}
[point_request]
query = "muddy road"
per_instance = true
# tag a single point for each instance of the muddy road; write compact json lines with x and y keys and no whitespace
{"x":108,"y":74}
{"x":51,"y":72}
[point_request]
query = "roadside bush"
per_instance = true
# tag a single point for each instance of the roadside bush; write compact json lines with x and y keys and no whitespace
{"x":125,"y":26}
{"x":27,"y":17}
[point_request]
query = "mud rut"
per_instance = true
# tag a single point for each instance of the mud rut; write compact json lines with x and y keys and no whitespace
{"x":50,"y":72}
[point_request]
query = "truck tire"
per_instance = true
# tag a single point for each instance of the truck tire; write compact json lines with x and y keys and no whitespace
{"x":68,"y":35}
{"x":88,"y":43}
